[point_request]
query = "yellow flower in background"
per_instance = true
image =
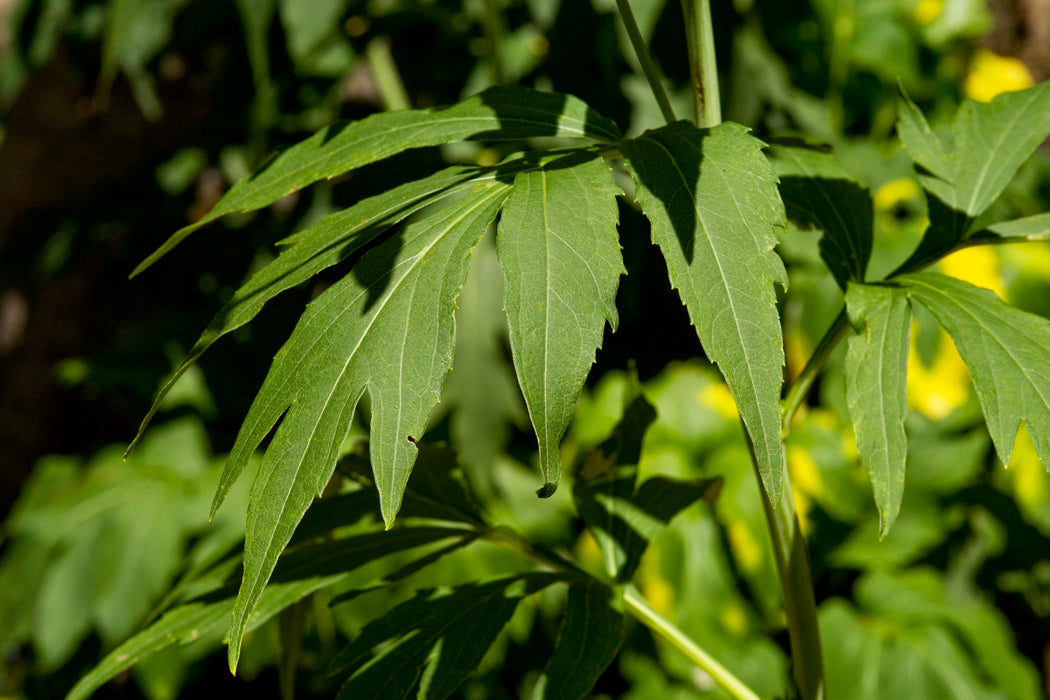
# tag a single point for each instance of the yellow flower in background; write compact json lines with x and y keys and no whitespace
{"x":746,"y":549}
{"x":894,"y":192}
{"x":978,"y":265}
{"x":1030,"y":481}
{"x":937,"y":390}
{"x":991,"y":74}
{"x":926,"y":11}
{"x":717,"y":396}
{"x":806,"y":484}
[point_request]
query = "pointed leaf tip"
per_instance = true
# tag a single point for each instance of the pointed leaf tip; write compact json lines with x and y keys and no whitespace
{"x":711,"y":198}
{"x":547,"y":490}
{"x":560,"y":252}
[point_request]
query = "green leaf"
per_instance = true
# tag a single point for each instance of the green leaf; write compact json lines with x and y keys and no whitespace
{"x":560,"y":254}
{"x":607,"y":480}
{"x":187,"y":624}
{"x":988,"y":143}
{"x":1005,"y":350}
{"x":913,"y":632}
{"x":712,"y":200}
{"x":482,"y":390}
{"x":434,"y":639}
{"x":326,"y":243}
{"x":387,"y":327}
{"x":924,"y":146}
{"x":876,"y":371}
{"x":308,"y":568}
{"x":497,"y":114}
{"x":1029,"y":228}
{"x":818,"y":194}
{"x":591,"y":634}
{"x":622,"y":519}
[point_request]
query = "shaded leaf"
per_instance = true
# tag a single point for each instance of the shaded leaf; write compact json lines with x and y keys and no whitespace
{"x":434,"y":639}
{"x":482,"y":390}
{"x":435,"y":489}
{"x":497,"y":114}
{"x":387,"y":327}
{"x":307,"y":569}
{"x":818,"y":194}
{"x":607,"y":477}
{"x":560,"y":254}
{"x":591,"y":634}
{"x":326,"y":243}
{"x":189,"y":623}
{"x":1005,"y":350}
{"x":712,"y":200}
{"x":622,"y":519}
{"x":876,"y":373}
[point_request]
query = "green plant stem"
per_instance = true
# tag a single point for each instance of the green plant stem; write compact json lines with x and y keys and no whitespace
{"x":804,"y":382}
{"x":636,"y":606}
{"x":796,"y":584}
{"x":641,"y":611}
{"x":703,"y":66}
{"x":384,"y":71}
{"x":645,"y":60}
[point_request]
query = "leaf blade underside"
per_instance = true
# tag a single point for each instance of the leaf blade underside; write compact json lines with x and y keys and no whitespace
{"x":712,"y":200}
{"x":497,"y":114}
{"x":1005,"y":351}
{"x":876,"y":373}
{"x":560,"y":254}
{"x":397,"y":302}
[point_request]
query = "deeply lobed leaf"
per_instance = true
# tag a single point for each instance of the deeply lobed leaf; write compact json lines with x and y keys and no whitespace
{"x":326,"y":243}
{"x":434,"y":640}
{"x":497,"y":114}
{"x":1005,"y":351}
{"x":712,"y":200}
{"x":386,"y":328}
{"x":591,"y":634}
{"x":876,"y":372}
{"x":560,"y":254}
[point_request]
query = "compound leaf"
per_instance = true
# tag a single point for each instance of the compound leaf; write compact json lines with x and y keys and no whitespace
{"x":989,"y":141}
{"x":876,"y":370}
{"x":387,"y":327}
{"x":560,"y":254}
{"x":326,"y":243}
{"x":434,"y":640}
{"x":497,"y":114}
{"x":591,"y":634}
{"x":971,"y":161}
{"x":712,"y":200}
{"x":1005,"y":351}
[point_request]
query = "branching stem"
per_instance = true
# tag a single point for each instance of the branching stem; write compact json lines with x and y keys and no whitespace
{"x":637,"y":607}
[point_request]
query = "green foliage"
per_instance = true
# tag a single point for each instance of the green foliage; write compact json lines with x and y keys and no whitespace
{"x":712,"y":201}
{"x":370,"y":553}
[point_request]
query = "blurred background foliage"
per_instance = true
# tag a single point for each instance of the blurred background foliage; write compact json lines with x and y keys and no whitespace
{"x":122,"y":120}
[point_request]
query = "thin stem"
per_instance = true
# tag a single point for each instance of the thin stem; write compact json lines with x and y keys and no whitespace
{"x":636,"y":606}
{"x":641,"y":611}
{"x":703,"y":65}
{"x":796,"y":584}
{"x":384,"y":71}
{"x":645,"y":60}
{"x":804,"y":382}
